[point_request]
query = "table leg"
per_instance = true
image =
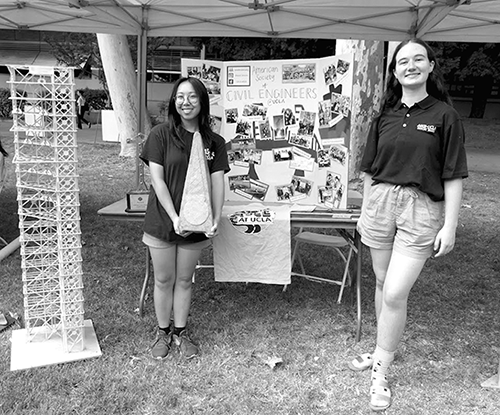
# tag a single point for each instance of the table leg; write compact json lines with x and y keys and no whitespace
{"x":145,"y":283}
{"x":357,"y":239}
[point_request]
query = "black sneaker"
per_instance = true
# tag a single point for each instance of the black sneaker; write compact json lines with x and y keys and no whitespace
{"x":186,"y":346}
{"x":161,"y":346}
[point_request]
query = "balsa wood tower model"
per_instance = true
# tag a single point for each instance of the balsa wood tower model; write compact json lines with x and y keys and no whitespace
{"x":43,"y":102}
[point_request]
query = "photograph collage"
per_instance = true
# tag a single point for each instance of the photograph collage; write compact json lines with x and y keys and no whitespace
{"x":275,"y":130}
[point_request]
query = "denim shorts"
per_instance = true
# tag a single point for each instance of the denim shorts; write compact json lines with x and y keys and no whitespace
{"x":153,"y":242}
{"x":400,"y":218}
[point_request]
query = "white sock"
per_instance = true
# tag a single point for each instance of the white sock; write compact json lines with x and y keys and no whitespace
{"x":382,"y":359}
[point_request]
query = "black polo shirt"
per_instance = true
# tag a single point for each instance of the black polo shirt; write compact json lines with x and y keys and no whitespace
{"x":421,"y":146}
{"x":159,"y":148}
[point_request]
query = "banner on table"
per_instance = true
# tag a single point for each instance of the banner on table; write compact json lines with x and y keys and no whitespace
{"x":253,"y":244}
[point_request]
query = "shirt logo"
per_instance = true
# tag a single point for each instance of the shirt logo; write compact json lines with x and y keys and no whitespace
{"x":252,"y":221}
{"x":209,"y":155}
{"x":426,"y":128}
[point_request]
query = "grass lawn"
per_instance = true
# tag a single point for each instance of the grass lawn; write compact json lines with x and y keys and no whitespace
{"x":446,"y":352}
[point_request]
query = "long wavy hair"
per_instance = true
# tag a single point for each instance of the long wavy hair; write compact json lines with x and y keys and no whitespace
{"x":175,"y":121}
{"x":435,"y":82}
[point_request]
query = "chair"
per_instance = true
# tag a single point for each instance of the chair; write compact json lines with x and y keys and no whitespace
{"x":329,"y":241}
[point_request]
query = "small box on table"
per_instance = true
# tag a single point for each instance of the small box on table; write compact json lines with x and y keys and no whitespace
{"x":137,"y":201}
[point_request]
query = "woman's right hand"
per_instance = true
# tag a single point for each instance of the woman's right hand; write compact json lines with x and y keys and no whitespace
{"x":176,"y":222}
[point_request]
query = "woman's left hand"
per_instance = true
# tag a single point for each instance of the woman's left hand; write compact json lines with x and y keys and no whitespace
{"x":213,"y":231}
{"x":445,"y":241}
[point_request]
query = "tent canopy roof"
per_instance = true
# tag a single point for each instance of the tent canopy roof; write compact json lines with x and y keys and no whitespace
{"x":439,"y":20}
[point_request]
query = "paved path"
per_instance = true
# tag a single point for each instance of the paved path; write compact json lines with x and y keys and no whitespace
{"x":483,"y":162}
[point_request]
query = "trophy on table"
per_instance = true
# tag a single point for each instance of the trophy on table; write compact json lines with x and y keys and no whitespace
{"x":137,"y":200}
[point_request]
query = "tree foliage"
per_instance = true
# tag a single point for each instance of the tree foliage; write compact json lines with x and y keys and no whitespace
{"x":477,"y":64}
{"x":264,"y":48}
{"x":81,"y":50}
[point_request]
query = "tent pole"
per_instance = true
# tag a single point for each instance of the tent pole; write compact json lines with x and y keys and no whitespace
{"x":142,"y":41}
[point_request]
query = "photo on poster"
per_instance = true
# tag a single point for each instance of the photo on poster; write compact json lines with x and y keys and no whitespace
{"x":236,"y":157}
{"x":248,"y":188}
{"x":210,"y":76}
{"x":251,"y":155}
{"x":330,"y":74}
{"x":302,"y":163}
{"x":194,"y":71}
{"x":332,"y":179}
{"x":325,"y":196}
{"x":242,"y":141}
{"x":336,"y":114}
{"x":278,"y":127}
{"x":254,"y":111}
{"x":284,"y":193}
{"x":342,"y":70}
{"x":265,"y":130}
{"x":331,"y":197}
{"x":231,"y":115}
{"x":338,"y":194}
{"x":215,"y":123}
{"x":345,"y":105}
{"x":324,"y":113}
{"x":338,"y":154}
{"x":299,"y":72}
{"x":342,"y":67}
{"x":282,"y":154}
{"x":243,"y":128}
{"x":301,"y":186}
{"x":341,"y":104}
{"x":288,"y":117}
{"x":300,"y":140}
{"x":241,"y":181}
{"x":257,"y":189}
{"x":324,"y":160}
{"x":306,"y":123}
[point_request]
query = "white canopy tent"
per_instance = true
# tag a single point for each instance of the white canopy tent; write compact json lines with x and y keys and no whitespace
{"x":385,"y":20}
{"x":443,"y":20}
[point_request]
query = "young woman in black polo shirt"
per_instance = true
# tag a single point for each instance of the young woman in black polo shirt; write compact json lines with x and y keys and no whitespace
{"x":174,"y":254}
{"x":414,"y":164}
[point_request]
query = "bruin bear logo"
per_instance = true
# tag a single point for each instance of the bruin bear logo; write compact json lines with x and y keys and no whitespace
{"x":252,"y":221}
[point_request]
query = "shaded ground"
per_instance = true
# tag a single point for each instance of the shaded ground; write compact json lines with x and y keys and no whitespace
{"x":481,"y":158}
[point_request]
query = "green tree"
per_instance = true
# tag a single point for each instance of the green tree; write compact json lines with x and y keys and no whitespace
{"x":477,"y":64}
{"x":264,"y":48}
{"x":81,"y":50}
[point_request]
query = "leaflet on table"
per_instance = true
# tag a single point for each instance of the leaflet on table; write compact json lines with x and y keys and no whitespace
{"x":286,"y":125}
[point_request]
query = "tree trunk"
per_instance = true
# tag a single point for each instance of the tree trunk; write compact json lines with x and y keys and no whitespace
{"x":482,"y":91}
{"x":368,"y":87}
{"x":122,"y":84}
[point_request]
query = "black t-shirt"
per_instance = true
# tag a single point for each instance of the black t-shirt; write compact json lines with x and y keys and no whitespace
{"x":159,"y":148}
{"x":421,"y":146}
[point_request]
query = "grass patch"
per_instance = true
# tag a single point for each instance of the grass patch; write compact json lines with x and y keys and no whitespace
{"x":445,"y":354}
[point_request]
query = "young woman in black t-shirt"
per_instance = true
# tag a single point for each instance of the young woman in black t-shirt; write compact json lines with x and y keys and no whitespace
{"x":414,"y":164}
{"x":174,"y":254}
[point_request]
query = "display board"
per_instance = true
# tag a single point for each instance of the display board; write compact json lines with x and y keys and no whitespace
{"x":286,"y":124}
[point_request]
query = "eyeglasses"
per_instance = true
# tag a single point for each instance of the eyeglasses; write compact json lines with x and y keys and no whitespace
{"x":192,"y":99}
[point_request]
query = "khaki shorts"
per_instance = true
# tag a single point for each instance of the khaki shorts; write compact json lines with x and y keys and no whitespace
{"x":153,"y":242}
{"x":400,"y":218}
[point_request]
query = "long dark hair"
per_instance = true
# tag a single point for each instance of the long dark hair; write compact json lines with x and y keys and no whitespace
{"x":435,"y":81}
{"x":175,"y":121}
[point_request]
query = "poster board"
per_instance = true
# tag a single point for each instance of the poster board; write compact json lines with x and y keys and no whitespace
{"x":286,"y":124}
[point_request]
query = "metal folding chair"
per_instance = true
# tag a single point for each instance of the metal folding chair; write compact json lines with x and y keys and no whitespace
{"x":329,"y":241}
